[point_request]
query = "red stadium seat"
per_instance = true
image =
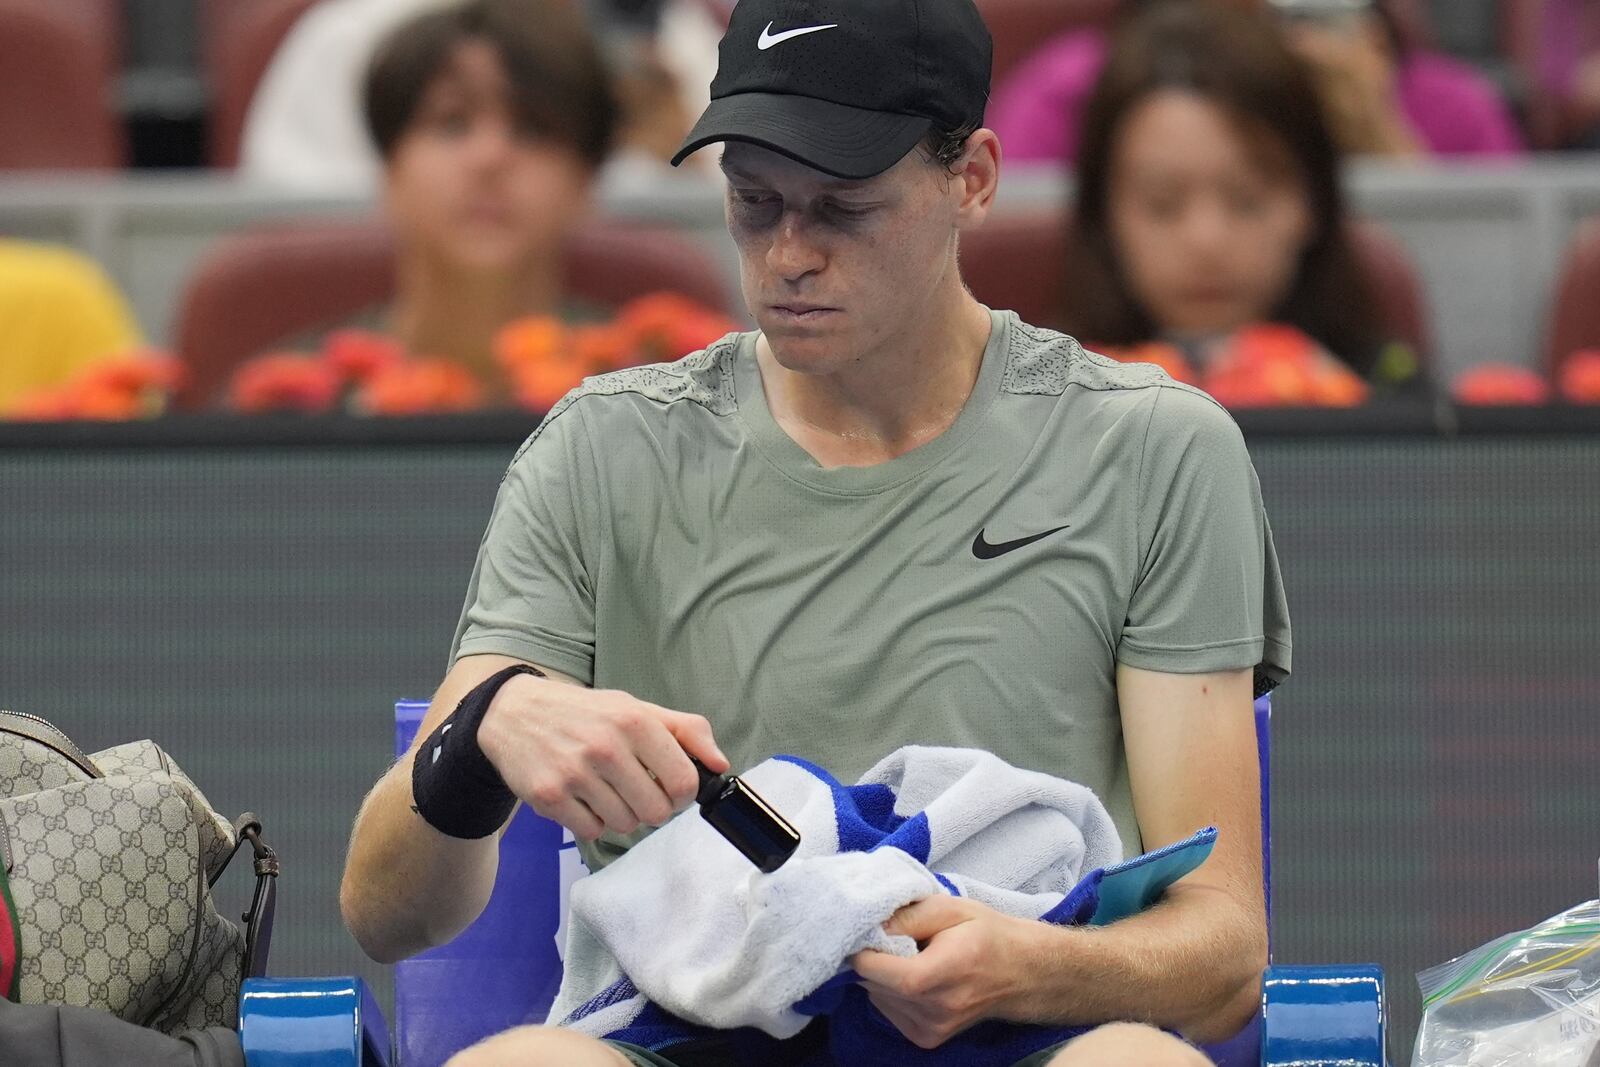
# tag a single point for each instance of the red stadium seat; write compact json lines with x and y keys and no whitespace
{"x":1394,"y":282}
{"x":57,"y":71}
{"x":241,"y":37}
{"x":1021,"y":26}
{"x":1018,"y":261}
{"x":1575,"y":323}
{"x":262,"y":285}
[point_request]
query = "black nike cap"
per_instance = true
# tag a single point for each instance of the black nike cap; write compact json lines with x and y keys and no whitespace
{"x":847,"y":87}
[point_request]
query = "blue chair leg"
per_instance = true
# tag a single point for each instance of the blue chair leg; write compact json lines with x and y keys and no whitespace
{"x":1323,"y":1016}
{"x":312,"y":1022}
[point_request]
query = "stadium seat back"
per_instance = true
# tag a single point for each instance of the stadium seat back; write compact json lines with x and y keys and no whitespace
{"x":241,"y":37}
{"x":1575,"y":321}
{"x":57,"y":73}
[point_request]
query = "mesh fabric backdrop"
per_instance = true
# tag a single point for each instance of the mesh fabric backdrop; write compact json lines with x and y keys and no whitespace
{"x":258,"y":610}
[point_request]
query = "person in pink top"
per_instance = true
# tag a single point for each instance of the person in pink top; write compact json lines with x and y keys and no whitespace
{"x":1382,"y":96}
{"x":1568,"y":70}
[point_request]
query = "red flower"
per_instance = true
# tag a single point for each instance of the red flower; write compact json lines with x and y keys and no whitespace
{"x":127,"y":386}
{"x":420,"y":386}
{"x":359,"y":354}
{"x":284,"y":381}
{"x":667,"y":326}
{"x":1501,"y":384}
{"x":545,"y":359}
{"x":1278,"y":366}
{"x":538,"y":386}
{"x":599,"y":349}
{"x":530,"y":340}
{"x":136,"y":372}
{"x":657,"y":313}
{"x":1580,"y":377}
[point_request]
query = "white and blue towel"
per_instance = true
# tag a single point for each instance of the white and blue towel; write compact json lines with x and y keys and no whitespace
{"x":682,"y":936}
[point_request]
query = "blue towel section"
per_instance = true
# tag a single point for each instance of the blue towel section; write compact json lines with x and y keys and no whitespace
{"x":865,"y":818}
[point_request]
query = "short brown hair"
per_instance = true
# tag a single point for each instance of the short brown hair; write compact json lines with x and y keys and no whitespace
{"x":559,"y":85}
{"x":1239,"y":61}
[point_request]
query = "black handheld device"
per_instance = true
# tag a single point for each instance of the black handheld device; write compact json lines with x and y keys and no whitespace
{"x":749,"y":823}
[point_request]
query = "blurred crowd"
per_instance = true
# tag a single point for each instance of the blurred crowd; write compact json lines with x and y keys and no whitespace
{"x":1204,"y":141}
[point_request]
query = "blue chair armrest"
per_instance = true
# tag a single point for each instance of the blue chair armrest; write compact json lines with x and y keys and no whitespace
{"x":311,"y":1022}
{"x":1322,"y":1015}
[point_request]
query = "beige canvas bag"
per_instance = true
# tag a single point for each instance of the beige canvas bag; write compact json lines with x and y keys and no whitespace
{"x":109,"y":860}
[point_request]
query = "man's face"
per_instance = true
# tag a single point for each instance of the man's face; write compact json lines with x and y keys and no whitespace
{"x":832,"y":269}
{"x":466,"y":185}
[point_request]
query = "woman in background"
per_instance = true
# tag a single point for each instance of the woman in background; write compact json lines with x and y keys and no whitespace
{"x":1384,"y":95}
{"x":1209,"y":199}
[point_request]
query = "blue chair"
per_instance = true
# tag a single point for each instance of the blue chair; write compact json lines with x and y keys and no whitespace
{"x":504,"y":970}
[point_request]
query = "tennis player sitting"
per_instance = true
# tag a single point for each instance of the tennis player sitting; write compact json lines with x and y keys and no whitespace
{"x":888,"y":516}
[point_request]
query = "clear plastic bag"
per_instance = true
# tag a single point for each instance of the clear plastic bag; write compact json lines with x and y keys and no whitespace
{"x":1529,"y":999}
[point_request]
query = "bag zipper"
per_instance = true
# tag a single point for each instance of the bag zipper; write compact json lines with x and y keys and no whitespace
{"x":32,"y":726}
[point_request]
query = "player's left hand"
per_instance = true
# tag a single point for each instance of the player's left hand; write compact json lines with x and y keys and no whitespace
{"x":968,"y":968}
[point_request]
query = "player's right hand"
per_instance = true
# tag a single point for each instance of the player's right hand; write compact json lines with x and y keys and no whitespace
{"x":595,"y":760}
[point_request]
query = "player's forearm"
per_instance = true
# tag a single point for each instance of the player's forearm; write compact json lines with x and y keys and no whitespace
{"x":407,"y":887}
{"x":1192,"y":964}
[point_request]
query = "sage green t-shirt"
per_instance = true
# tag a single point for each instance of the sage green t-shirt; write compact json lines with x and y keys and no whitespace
{"x":659,"y":533}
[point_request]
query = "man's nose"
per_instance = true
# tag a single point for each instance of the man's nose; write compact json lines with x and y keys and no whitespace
{"x":792,"y":254}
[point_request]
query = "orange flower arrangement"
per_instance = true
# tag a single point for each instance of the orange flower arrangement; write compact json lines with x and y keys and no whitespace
{"x":1265,"y":365}
{"x":131,"y":385}
{"x":285,"y":381}
{"x":544,"y":358}
{"x":1278,"y":366}
{"x":1501,"y":385}
{"x":541,"y":356}
{"x":418,"y":386}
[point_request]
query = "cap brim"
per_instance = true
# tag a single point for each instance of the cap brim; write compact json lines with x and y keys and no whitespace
{"x":846,"y":142}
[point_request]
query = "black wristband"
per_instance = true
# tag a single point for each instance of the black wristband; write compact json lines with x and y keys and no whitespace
{"x":454,"y":787}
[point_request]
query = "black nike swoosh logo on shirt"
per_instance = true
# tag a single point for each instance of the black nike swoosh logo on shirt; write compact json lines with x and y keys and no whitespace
{"x":984,"y":550}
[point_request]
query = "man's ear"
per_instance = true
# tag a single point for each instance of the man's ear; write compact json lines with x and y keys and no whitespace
{"x":978,"y":175}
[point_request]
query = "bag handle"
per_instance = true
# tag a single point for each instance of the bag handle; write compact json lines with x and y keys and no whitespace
{"x":264,"y":902}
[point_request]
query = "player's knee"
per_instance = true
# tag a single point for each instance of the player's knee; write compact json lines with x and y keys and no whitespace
{"x":1128,"y":1045}
{"x":538,"y":1046}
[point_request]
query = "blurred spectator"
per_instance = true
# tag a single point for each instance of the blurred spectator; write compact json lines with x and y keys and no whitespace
{"x":1382,"y":95}
{"x":491,"y":119}
{"x":653,"y":48}
{"x":59,"y":313}
{"x":1209,"y":199}
{"x":304,"y":131}
{"x":1569,"y":68}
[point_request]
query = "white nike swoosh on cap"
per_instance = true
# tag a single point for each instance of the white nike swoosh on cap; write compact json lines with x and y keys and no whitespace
{"x":768,"y":38}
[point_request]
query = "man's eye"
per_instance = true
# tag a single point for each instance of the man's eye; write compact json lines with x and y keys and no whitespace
{"x":754,"y":199}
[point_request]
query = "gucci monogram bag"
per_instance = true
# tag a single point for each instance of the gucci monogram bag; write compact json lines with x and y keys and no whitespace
{"x":106,"y":868}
